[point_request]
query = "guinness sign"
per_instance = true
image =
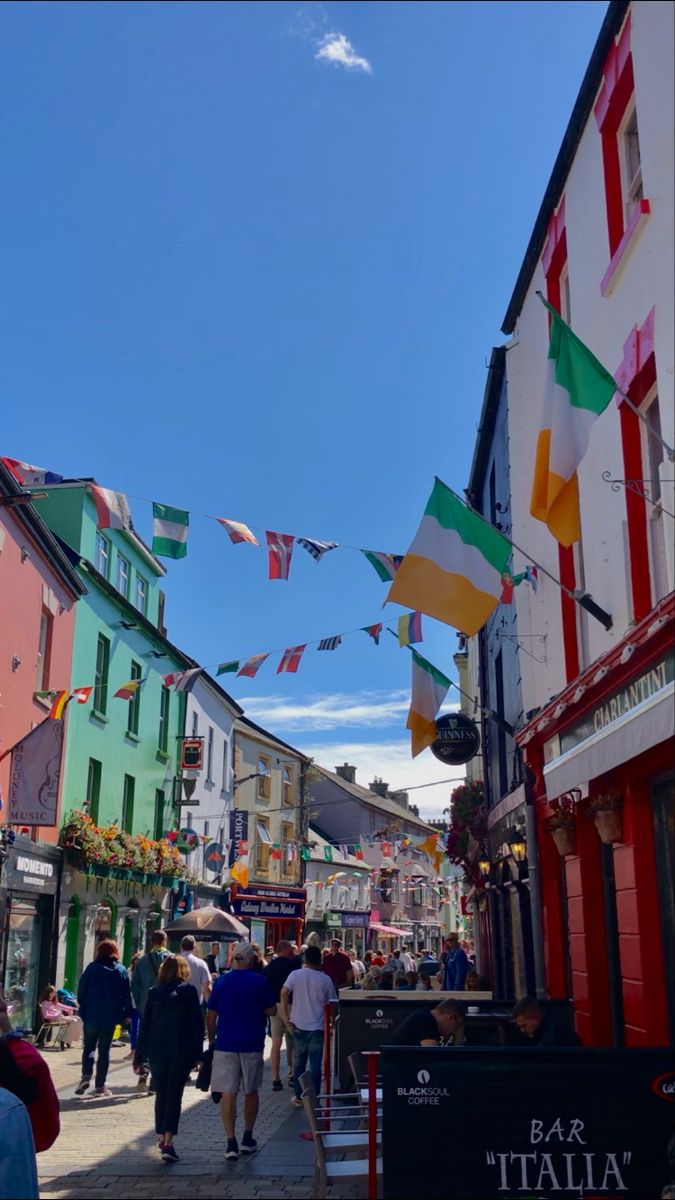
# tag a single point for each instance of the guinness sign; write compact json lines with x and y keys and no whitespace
{"x":457,"y":739}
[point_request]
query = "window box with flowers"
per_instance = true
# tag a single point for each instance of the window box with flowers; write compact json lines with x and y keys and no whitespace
{"x":109,"y":850}
{"x":562,"y":825}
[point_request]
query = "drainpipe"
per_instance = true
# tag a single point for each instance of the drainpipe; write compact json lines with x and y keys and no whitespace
{"x":534,"y":874}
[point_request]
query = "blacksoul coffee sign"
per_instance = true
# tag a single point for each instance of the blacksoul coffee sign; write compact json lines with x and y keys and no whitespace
{"x":536,"y":1123}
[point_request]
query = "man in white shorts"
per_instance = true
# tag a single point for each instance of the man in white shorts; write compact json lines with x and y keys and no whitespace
{"x":236,"y":1021}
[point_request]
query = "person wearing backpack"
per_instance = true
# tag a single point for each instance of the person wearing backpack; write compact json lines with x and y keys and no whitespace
{"x":144,"y":977}
{"x":104,"y":999}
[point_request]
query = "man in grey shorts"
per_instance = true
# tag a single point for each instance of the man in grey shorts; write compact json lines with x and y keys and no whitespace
{"x":236,"y":1022}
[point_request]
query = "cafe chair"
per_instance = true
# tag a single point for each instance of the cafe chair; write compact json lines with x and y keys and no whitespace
{"x":343,"y":1142}
{"x":59,"y":1028}
{"x":360,"y":1075}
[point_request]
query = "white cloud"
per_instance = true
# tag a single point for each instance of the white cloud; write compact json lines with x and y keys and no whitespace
{"x":336,"y":48}
{"x":391,"y":761}
{"x":332,"y":711}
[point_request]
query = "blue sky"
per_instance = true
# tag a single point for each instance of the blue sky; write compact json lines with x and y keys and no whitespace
{"x":255,"y":258}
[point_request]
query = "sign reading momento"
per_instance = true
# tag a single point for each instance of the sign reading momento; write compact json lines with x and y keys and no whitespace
{"x":457,"y":739}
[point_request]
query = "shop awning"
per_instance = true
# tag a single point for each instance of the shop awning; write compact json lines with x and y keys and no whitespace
{"x":651,"y":722}
{"x":389,"y":930}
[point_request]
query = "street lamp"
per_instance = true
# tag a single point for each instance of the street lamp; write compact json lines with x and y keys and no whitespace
{"x":517,"y":845}
{"x":484,"y":864}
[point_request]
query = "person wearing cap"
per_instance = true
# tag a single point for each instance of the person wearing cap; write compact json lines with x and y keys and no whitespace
{"x":236,"y":1021}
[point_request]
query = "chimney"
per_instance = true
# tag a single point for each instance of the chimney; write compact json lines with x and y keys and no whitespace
{"x":346,"y":772}
{"x":415,"y":810}
{"x":379,"y":787}
{"x":400,"y":797}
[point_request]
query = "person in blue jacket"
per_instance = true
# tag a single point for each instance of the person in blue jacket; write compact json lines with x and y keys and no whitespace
{"x":456,"y":965}
{"x":104,"y":999}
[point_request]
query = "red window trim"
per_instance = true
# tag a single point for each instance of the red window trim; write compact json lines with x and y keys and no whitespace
{"x":554,"y":260}
{"x":615,"y":95}
{"x":636,"y":375}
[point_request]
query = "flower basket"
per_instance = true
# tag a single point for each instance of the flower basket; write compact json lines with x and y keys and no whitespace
{"x":565,"y":839}
{"x":609,"y":824}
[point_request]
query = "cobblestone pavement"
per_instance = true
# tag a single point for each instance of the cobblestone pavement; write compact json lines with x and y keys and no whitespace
{"x":107,"y":1147}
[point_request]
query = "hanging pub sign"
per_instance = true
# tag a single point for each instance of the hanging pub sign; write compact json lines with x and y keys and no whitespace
{"x":554,"y":1122}
{"x":457,"y":739}
{"x":238,"y":835}
{"x":192,"y":754}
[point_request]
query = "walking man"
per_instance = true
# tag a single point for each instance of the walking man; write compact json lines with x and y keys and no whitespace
{"x":143,"y":977}
{"x":200,"y":976}
{"x":309,"y":990}
{"x":236,"y":1021}
{"x":337,"y":965}
{"x":277,"y":972}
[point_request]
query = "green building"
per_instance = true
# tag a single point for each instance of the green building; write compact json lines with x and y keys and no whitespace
{"x":121,"y":755}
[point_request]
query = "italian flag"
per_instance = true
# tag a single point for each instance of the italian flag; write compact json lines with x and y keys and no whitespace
{"x":429,"y":689}
{"x":453,"y":569}
{"x":169,"y":531}
{"x":578,"y":390}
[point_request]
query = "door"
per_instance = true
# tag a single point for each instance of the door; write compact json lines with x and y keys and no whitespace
{"x":663,"y":806}
{"x":23,"y":962}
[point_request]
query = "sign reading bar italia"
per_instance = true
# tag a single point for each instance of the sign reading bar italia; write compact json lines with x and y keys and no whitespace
{"x":553,"y":1122}
{"x":457,"y":739}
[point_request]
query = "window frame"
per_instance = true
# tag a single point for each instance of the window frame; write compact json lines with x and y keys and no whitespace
{"x":134,"y":709}
{"x":632,"y":189}
{"x":209,"y":754}
{"x":123,"y":562}
{"x":164,"y":718}
{"x":287,"y":840}
{"x":100,"y":694}
{"x":103,"y":551}
{"x":128,"y":798}
{"x":287,"y":785}
{"x":93,"y":794}
{"x":158,"y":816}
{"x":657,"y":554}
{"x":264,"y":781}
{"x":263,"y":845}
{"x":141,"y":589}
{"x":44,"y":654}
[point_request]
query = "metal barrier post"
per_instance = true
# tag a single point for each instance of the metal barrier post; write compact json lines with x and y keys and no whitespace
{"x":372,"y":1056}
{"x":327,"y":1060}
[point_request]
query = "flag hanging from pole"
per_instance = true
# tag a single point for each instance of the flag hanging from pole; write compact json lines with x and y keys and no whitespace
{"x":578,"y":389}
{"x":280,"y":552}
{"x":386,"y":565}
{"x":409,"y":628}
{"x":330,"y":643}
{"x":253,"y":665}
{"x":182,"y":681}
{"x":373,"y":631}
{"x":316,"y":548}
{"x":29,"y":476}
{"x":429,"y":689}
{"x":453,"y":569}
{"x":169,"y":531}
{"x":291,"y":659}
{"x":112,"y":508}
{"x":238,"y":532}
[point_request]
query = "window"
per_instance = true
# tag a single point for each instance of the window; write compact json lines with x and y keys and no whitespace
{"x":134,"y":711}
{"x":652,"y":458}
{"x":263,"y":845}
{"x":206,"y":829}
{"x":101,"y":675}
{"x":102,"y":555}
{"x":287,"y":786}
{"x":631,"y":166}
{"x":141,"y":594}
{"x":195,"y":724}
{"x":164,"y":710}
{"x":158,"y":830}
{"x":44,"y":651}
{"x":209,"y":755}
{"x":128,"y":803}
{"x":123,"y":576}
{"x":226,"y":764}
{"x":264,"y":778}
{"x":94,"y":789}
{"x":287,"y":847}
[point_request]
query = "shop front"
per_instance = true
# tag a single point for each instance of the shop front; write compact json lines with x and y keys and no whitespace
{"x":100,"y":902}
{"x":271,"y":913}
{"x":602,"y":755}
{"x":506,"y":900}
{"x":28,"y":896}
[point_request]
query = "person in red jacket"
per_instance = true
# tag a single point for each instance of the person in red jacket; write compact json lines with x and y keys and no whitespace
{"x":40,"y":1098}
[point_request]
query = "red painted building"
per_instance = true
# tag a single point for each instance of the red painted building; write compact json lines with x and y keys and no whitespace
{"x":38,"y":592}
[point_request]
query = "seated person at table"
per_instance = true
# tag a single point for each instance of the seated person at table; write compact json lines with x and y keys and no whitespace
{"x":542,"y":1028}
{"x":431,"y":1027}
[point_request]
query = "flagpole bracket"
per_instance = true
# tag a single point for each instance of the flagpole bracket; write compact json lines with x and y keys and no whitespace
{"x":588,"y":603}
{"x":640,"y":487}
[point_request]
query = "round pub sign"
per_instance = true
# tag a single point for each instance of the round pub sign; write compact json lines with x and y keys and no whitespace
{"x":457,"y":739}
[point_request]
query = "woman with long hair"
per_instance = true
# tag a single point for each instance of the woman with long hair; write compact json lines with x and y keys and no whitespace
{"x":171,"y":1038}
{"x":104,"y":999}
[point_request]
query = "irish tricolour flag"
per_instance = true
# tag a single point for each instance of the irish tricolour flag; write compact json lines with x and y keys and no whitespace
{"x":578,"y":390}
{"x":169,"y":531}
{"x":429,"y":689}
{"x":453,"y":569}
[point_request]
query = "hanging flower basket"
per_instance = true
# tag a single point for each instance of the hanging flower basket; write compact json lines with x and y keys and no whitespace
{"x":606,"y":812}
{"x":565,"y":839}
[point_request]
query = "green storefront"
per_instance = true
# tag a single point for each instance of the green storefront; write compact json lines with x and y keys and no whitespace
{"x":121,"y":755}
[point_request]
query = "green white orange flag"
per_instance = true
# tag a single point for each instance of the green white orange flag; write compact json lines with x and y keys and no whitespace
{"x":453,"y":569}
{"x":578,"y":390}
{"x":169,"y":531}
{"x":429,"y":689}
